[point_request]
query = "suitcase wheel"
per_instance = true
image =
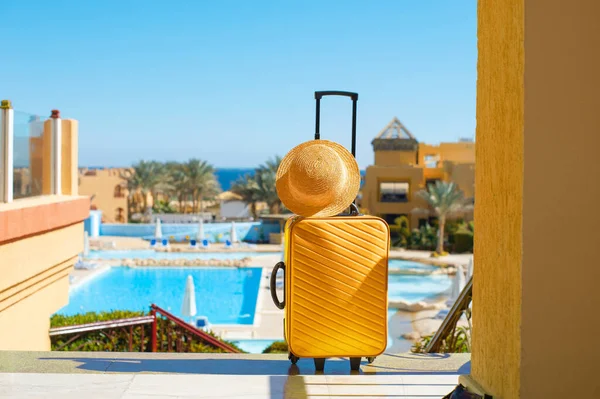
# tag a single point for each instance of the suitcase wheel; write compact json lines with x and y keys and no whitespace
{"x":319,"y":364}
{"x":371,"y":359}
{"x":293,"y":358}
{"x":355,"y":363}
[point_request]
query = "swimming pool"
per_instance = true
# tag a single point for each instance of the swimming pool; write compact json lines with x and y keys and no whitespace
{"x":224,"y":295}
{"x":257,"y":346}
{"x":399,"y":264}
{"x":416,"y":288}
{"x":152,"y":254}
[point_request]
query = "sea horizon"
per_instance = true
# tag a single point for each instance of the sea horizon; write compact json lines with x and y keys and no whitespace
{"x":225,"y":176}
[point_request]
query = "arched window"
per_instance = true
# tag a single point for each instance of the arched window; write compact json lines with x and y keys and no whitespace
{"x":118,"y":191}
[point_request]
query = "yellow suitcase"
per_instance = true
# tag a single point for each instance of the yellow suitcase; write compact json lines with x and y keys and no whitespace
{"x":336,"y":280}
{"x":335,"y":287}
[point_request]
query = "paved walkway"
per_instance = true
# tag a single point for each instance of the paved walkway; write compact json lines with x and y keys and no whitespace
{"x":94,"y":375}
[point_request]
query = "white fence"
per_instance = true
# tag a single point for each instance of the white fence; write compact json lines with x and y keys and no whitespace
{"x":181,"y":217}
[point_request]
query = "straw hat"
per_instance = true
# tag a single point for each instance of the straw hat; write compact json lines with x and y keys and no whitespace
{"x":318,"y":178}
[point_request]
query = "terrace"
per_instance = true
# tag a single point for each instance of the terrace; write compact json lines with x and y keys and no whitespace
{"x":533,"y":108}
{"x":41,"y":223}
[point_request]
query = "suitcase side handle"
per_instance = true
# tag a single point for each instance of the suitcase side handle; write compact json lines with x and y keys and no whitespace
{"x":353,"y":96}
{"x":353,"y":211}
{"x":279,"y":265}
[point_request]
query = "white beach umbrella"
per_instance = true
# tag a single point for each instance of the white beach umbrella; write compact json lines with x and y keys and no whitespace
{"x":86,"y":244}
{"x":470,"y":269}
{"x":158,"y":229}
{"x":200,"y":235}
{"x":458,"y":284}
{"x":188,"y":308}
{"x":233,"y":234}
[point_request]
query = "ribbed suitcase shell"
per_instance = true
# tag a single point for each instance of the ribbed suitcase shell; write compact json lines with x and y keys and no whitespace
{"x":336,"y":286}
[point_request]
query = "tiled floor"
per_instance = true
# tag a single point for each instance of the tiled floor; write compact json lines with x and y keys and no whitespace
{"x":129,"y":375}
{"x":138,"y":386}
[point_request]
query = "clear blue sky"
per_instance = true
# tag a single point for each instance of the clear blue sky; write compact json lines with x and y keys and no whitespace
{"x":232,"y":82}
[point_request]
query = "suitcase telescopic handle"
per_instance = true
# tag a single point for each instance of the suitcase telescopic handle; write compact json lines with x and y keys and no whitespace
{"x":353,"y":96}
{"x":279,"y":265}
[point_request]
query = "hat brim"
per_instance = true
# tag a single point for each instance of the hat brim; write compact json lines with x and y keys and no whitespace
{"x":342,"y":199}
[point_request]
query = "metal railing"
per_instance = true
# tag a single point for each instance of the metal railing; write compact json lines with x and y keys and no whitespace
{"x":109,"y":330}
{"x":161,"y":331}
{"x":22,"y":154}
{"x":448,"y":328}
{"x":177,"y":336}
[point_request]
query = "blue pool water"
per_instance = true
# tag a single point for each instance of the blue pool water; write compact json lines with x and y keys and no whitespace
{"x":152,"y":254}
{"x":416,"y":288}
{"x":224,"y":295}
{"x":398,"y":264}
{"x":253,"y":345}
{"x":257,"y":346}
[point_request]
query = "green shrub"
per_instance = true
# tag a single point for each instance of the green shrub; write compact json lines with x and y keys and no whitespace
{"x":424,"y":238}
{"x":400,"y":232}
{"x":459,"y":341}
{"x":451,"y":227}
{"x":277,"y":347}
{"x":463,"y":240}
{"x":118,"y":340}
{"x":162,"y":206}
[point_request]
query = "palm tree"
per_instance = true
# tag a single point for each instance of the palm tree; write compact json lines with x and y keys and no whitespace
{"x":177,"y":184}
{"x":201,"y":179}
{"x":265,"y":177}
{"x":145,"y":178}
{"x":133,"y":185}
{"x":247,"y":188}
{"x":445,"y":198}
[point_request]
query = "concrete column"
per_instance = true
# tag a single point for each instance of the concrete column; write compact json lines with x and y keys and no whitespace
{"x":68,"y":182}
{"x":6,"y":151}
{"x":536,"y":297}
{"x":70,"y":157}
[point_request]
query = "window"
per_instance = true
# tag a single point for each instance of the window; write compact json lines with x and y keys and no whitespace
{"x":393,"y":192}
{"x":431,"y":161}
{"x":119,"y":191}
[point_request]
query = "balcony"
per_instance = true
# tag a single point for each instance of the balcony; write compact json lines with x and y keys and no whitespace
{"x":41,"y":223}
{"x":121,"y":375}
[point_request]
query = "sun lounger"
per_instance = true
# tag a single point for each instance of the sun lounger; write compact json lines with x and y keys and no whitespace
{"x":153,"y":242}
{"x":442,"y":314}
{"x":193,"y":244}
{"x":204,"y":243}
{"x":227,"y":244}
{"x":165,"y":242}
{"x":202,"y":323}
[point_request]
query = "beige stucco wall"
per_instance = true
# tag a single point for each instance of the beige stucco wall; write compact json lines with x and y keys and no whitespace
{"x":459,"y":152}
{"x":35,"y":284}
{"x":25,"y":325}
{"x":395,"y":158}
{"x":463,"y":174}
{"x":102,"y":185}
{"x":535,"y":305}
{"x":405,"y":173}
{"x":561,"y":268}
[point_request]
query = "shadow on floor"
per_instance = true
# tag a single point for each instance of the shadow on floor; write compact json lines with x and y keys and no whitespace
{"x":273,"y":367}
